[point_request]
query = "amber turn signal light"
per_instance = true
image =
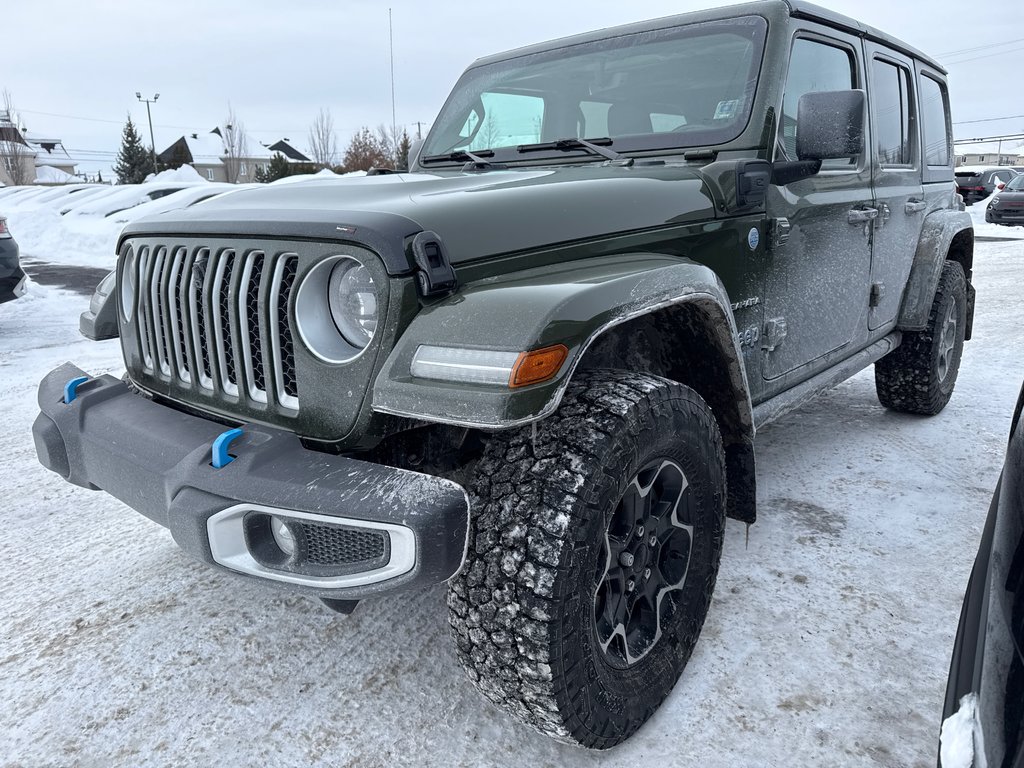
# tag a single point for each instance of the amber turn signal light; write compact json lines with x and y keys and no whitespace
{"x":538,"y":365}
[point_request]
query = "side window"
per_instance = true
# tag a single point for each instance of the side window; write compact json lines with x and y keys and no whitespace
{"x":894,"y":118}
{"x":933,"y":119}
{"x":814,"y":66}
{"x":509,"y":119}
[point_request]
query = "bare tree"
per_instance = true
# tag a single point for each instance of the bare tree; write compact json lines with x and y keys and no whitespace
{"x":322,"y":143}
{"x":15,"y":154}
{"x":236,"y":147}
{"x":394,"y":143}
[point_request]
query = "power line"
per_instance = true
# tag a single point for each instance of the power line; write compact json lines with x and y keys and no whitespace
{"x":985,"y":56}
{"x":989,"y":119}
{"x":981,"y":47}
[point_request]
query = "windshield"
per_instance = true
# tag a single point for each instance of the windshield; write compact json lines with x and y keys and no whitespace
{"x":1016,"y":184}
{"x":671,"y":88}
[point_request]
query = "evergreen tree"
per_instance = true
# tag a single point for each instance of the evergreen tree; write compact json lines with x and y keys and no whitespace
{"x":134,"y":161}
{"x":99,"y":177}
{"x":279,"y":168}
{"x":404,"y":145}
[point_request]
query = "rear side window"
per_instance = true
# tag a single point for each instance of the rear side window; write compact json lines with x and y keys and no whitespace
{"x":933,"y":119}
{"x":893,"y":114}
{"x":814,"y":66}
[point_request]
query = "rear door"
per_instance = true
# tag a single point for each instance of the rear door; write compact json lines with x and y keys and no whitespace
{"x":896,"y":180}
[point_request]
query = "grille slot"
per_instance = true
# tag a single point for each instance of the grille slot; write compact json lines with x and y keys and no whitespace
{"x":219,"y":321}
{"x":332,"y":545}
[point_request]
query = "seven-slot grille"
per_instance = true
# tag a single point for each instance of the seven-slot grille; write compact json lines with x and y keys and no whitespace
{"x":218,"y":320}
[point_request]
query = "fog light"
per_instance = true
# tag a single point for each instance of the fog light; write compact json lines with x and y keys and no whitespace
{"x":283,"y":536}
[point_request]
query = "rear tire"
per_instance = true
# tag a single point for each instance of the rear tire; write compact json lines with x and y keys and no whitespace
{"x":629,"y":470}
{"x":920,"y":374}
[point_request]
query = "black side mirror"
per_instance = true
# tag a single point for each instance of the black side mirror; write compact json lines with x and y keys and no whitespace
{"x":830,"y":124}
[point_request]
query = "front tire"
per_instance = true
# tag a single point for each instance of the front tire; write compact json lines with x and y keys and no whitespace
{"x":920,"y":374}
{"x":594,"y":549}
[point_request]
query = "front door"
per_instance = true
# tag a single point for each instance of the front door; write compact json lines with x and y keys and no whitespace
{"x":817,"y":282}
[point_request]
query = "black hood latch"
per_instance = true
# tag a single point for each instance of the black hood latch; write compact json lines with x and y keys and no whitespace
{"x":435,"y":275}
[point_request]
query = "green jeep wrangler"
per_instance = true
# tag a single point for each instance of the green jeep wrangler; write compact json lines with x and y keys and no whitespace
{"x":532,"y":367}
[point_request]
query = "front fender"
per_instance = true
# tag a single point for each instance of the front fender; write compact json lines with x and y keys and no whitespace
{"x":571,"y":303}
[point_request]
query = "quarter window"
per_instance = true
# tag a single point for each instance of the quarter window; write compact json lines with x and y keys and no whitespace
{"x":893,"y":114}
{"x":933,"y":118}
{"x":814,"y":66}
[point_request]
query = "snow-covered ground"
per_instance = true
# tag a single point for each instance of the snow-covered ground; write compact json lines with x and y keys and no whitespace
{"x":827,"y":644}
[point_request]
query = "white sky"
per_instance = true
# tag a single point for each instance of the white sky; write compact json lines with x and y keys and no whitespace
{"x":279,"y":63}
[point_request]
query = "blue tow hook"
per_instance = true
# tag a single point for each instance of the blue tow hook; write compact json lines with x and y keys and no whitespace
{"x":71,"y":389}
{"x":221,"y":457}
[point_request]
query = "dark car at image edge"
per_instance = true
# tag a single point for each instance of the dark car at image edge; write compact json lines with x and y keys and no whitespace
{"x":12,"y":276}
{"x":988,"y":654}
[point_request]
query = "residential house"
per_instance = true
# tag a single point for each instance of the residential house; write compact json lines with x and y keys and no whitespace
{"x":208,"y":154}
{"x":39,"y":159}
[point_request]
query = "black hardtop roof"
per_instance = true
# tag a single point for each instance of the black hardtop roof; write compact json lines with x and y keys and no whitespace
{"x":768,"y":8}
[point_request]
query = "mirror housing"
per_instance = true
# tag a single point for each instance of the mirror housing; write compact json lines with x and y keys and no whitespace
{"x":99,"y":322}
{"x":830,"y":124}
{"x":414,"y":152}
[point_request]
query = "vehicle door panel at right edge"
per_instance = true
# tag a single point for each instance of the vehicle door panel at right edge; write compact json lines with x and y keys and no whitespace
{"x":817,"y":282}
{"x":896,"y":178}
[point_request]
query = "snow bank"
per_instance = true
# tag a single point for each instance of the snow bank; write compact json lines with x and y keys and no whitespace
{"x":184,"y":173}
{"x":46,"y":174}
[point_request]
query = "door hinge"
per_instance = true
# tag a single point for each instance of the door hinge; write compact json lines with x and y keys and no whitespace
{"x":778,"y":232}
{"x":775,"y":330}
{"x":877,"y":293}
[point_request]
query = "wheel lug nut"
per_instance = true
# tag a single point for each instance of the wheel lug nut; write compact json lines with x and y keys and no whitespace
{"x":639,"y":531}
{"x":653,"y":540}
{"x":626,"y":559}
{"x":647,"y":573}
{"x":630,"y":585}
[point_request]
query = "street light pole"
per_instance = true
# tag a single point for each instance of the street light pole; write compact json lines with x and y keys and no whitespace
{"x":152,"y":141}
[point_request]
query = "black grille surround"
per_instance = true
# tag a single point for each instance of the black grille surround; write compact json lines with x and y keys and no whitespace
{"x":227,"y":344}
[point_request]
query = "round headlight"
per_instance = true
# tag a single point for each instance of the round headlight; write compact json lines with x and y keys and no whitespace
{"x":994,"y":201}
{"x":353,"y":301}
{"x":127,"y":282}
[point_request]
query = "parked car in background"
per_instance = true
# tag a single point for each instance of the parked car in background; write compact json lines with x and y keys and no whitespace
{"x":985,"y":692}
{"x":975,"y":182}
{"x":12,"y":276}
{"x":1007,"y":207}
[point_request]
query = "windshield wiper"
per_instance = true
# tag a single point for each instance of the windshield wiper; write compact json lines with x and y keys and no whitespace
{"x":462,"y":155}
{"x":594,"y":147}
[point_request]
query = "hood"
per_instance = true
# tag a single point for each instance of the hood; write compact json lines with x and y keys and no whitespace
{"x":477,"y":215}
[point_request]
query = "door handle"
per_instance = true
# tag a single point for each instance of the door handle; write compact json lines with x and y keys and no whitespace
{"x":862,"y":215}
{"x":915,"y":206}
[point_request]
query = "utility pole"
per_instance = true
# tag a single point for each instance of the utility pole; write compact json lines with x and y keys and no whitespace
{"x":419,"y":130}
{"x":394,"y":122}
{"x":152,"y":141}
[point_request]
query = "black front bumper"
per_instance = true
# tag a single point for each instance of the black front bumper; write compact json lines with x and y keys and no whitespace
{"x":157,"y":460}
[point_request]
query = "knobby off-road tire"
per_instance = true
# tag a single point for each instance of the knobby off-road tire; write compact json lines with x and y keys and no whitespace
{"x":532,"y":611}
{"x":919,"y":375}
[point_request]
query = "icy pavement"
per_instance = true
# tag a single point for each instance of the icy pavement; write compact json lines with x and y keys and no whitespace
{"x":827,"y":644}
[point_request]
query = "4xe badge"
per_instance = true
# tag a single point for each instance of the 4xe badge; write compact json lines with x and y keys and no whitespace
{"x":753,"y":238}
